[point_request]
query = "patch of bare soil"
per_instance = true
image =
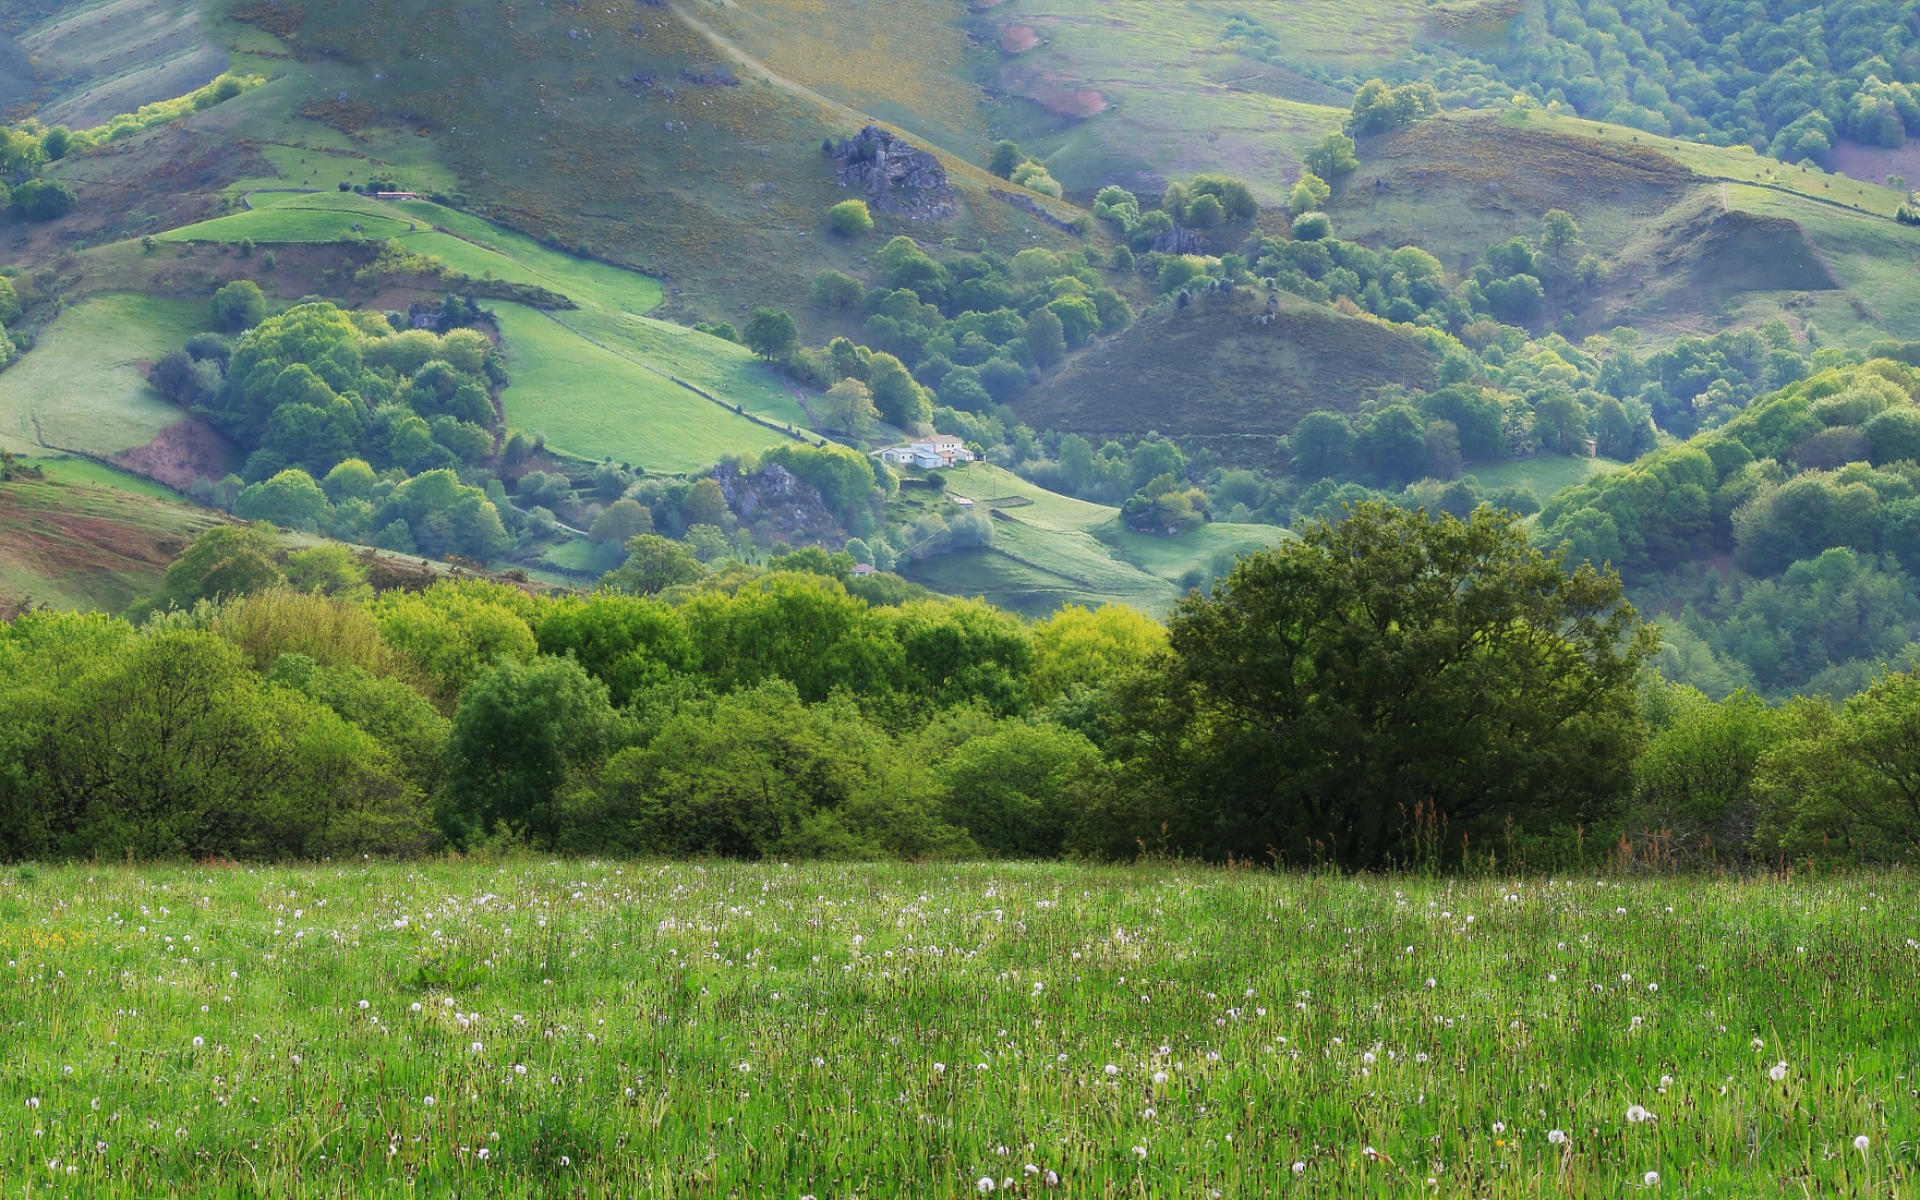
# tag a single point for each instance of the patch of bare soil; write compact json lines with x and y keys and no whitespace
{"x":1018,"y":39}
{"x":184,"y":451}
{"x":1067,"y":101}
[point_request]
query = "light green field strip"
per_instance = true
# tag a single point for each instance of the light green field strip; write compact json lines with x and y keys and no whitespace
{"x":1544,"y":475}
{"x":585,"y":280}
{"x":83,"y":388}
{"x":723,"y":368}
{"x":1876,"y":261}
{"x":983,"y":482}
{"x":594,"y":403}
{"x":296,"y":218}
{"x":1206,"y":550}
{"x":96,"y":474}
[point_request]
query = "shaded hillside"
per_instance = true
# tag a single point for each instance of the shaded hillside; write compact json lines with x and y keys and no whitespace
{"x":1455,"y":186}
{"x":1213,"y":372}
{"x":626,"y":132}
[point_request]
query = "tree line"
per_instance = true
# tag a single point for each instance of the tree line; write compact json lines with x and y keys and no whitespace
{"x":1394,"y":689}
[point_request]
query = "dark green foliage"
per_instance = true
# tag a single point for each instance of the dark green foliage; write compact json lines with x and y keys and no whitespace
{"x":771,"y":333}
{"x":1318,"y":701}
{"x":521,"y":731}
{"x":225,"y":561}
{"x":239,"y":305}
{"x":43,"y":200}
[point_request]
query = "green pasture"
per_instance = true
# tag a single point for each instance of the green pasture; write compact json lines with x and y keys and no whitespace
{"x":594,"y":403}
{"x":984,"y":483}
{"x":1543,"y":475}
{"x":83,"y":386}
{"x":1196,"y":557}
{"x":648,"y":1029}
{"x":67,"y":469}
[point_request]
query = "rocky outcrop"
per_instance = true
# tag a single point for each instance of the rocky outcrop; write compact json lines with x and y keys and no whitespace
{"x":775,"y":502}
{"x":893,"y":176}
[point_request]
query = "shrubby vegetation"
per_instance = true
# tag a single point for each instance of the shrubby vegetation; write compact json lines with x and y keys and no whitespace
{"x":1393,"y":689}
{"x":1808,"y":499}
{"x":353,"y":428}
{"x":1790,"y":80}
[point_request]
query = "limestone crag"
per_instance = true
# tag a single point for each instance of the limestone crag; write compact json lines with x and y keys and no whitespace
{"x":893,"y":176}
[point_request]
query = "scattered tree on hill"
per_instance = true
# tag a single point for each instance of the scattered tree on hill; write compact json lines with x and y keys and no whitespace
{"x":1310,"y":194}
{"x":1332,"y":157}
{"x":772,"y":334}
{"x":849,"y":406}
{"x":42,"y":200}
{"x":239,"y":306}
{"x":1006,"y":156}
{"x":1378,"y":107}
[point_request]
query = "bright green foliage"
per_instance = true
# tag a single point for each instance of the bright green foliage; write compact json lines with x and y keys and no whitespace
{"x":1287,"y":720}
{"x":1016,"y":791}
{"x":850,"y":218}
{"x":1694,"y":784}
{"x":1378,"y":107}
{"x":628,"y":643}
{"x":1332,"y":157}
{"x":453,"y":632}
{"x":654,"y":563}
{"x":1310,"y":194}
{"x":167,"y":744}
{"x":290,"y":499}
{"x":9,"y":302}
{"x":759,"y":773}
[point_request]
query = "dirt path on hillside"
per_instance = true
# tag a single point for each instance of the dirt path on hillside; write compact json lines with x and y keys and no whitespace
{"x":732,"y":50}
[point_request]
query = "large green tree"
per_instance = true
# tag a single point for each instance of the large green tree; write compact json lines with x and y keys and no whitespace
{"x":1390,"y":677}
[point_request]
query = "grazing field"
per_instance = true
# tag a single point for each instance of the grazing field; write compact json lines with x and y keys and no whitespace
{"x":83,"y":386}
{"x":639,"y":1029}
{"x":595,"y":403}
{"x":1543,"y":474}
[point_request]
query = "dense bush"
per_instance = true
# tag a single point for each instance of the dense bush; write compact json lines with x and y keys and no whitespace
{"x":1396,"y":689}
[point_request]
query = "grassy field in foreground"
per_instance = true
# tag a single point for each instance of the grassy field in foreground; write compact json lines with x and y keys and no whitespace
{"x":600,"y":1029}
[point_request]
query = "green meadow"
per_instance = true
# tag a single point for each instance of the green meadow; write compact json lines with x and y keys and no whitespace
{"x":526,"y":1028}
{"x":84,"y":385}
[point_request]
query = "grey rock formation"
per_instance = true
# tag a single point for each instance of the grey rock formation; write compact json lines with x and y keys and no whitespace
{"x":893,"y":176}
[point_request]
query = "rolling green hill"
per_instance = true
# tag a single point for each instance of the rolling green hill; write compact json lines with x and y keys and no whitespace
{"x":1049,"y":550}
{"x":68,"y":542}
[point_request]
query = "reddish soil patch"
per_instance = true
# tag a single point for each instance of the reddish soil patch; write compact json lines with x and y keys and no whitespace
{"x":1017,"y":39}
{"x":106,"y":548}
{"x":184,"y":451}
{"x":1078,"y":103}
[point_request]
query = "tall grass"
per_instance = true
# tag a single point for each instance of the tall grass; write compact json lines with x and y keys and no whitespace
{"x":635,"y":1029}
